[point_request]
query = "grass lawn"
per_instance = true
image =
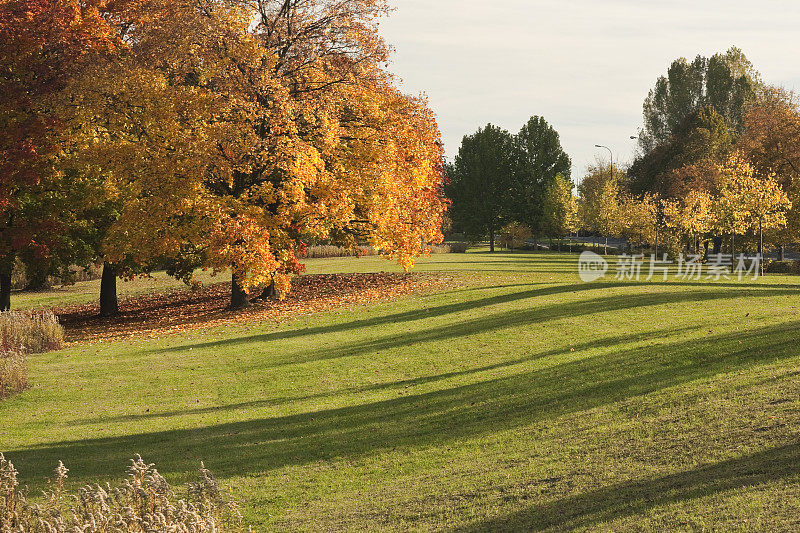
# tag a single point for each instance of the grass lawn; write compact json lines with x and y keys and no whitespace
{"x":520,"y":400}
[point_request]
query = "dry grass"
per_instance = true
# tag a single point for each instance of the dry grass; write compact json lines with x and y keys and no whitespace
{"x":30,"y":333}
{"x":323,"y":251}
{"x":13,"y":373}
{"x":20,"y":334}
{"x":142,"y":503}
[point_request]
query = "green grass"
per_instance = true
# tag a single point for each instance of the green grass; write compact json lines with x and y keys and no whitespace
{"x":89,"y":291}
{"x":521,"y":400}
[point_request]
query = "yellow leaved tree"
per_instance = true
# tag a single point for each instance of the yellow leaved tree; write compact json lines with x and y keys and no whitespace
{"x":690,"y":218}
{"x":749,"y":204}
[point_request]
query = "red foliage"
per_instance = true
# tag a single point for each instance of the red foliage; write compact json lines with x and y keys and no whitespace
{"x":40,"y":44}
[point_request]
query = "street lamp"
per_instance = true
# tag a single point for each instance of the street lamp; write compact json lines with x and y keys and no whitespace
{"x":605,"y":246}
{"x":612,"y":157}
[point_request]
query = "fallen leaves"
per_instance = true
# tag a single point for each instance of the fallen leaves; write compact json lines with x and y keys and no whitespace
{"x":155,"y":315}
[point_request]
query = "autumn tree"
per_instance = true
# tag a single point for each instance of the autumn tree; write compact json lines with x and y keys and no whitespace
{"x":771,"y":143}
{"x":231,"y":132}
{"x":599,"y":201}
{"x":41,"y":207}
{"x":640,"y":219}
{"x":560,"y":208}
{"x":481,"y":180}
{"x":690,"y":218}
{"x":751,"y":204}
{"x":515,"y":235}
{"x":333,"y":149}
{"x":146,"y":132}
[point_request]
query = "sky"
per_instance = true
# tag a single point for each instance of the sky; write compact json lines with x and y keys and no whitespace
{"x":586,"y":66}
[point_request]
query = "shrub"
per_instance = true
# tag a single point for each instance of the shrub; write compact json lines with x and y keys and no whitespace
{"x":142,"y":503}
{"x":514,"y":236}
{"x":458,"y":247}
{"x":450,"y":248}
{"x":782,"y":267}
{"x":22,"y":334}
{"x":21,"y":279}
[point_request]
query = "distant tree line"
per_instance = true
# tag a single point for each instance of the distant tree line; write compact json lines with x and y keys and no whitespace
{"x":502,"y":180}
{"x":718,"y":167}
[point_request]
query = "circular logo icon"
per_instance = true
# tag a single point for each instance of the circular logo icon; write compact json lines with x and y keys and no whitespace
{"x":591,"y":267}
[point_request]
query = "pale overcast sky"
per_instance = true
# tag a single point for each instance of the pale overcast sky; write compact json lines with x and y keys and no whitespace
{"x":584,"y":65}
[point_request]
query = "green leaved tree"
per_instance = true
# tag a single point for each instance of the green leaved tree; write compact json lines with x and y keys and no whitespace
{"x":725,"y":82}
{"x":538,"y":159}
{"x":481,"y":183}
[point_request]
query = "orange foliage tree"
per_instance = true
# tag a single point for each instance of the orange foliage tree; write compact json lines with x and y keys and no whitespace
{"x":233,"y":132}
{"x":771,"y":142}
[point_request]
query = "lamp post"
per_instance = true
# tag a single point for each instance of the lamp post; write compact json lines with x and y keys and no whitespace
{"x":605,"y":246}
{"x":612,"y":157}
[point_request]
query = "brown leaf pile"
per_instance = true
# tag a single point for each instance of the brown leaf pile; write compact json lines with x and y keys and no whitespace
{"x":181,"y":310}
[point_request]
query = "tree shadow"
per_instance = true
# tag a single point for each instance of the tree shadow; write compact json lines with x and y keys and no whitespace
{"x":637,"y":497}
{"x":430,"y":418}
{"x":400,"y":385}
{"x":487,"y":323}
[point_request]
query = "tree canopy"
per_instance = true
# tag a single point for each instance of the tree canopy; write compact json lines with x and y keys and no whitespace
{"x":538,"y":159}
{"x":498,"y":178}
{"x":724,"y":82}
{"x":481,"y":183}
{"x":226,"y":135}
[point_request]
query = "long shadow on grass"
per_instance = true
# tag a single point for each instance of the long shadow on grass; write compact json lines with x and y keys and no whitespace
{"x":637,"y":497}
{"x":253,"y":446}
{"x":401,"y":385}
{"x":509,"y":319}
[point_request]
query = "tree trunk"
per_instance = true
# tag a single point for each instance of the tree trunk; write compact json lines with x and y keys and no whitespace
{"x":655,"y":251}
{"x":109,"y":305}
{"x":268,"y":293}
{"x":5,"y":289}
{"x":717,"y":245}
{"x":605,"y":246}
{"x":782,"y":252}
{"x":238,"y":295}
{"x":491,"y":240}
{"x":761,"y":245}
